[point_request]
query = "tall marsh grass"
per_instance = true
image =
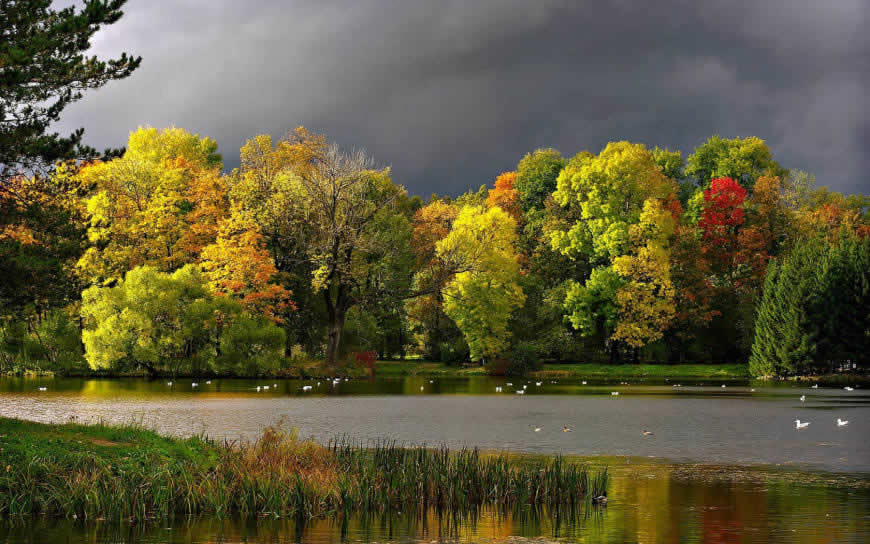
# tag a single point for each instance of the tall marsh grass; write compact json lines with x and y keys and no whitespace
{"x":141,"y":475}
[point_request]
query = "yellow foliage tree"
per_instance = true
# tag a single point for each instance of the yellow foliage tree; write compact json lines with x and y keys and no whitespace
{"x":485,"y":290}
{"x":158,"y":205}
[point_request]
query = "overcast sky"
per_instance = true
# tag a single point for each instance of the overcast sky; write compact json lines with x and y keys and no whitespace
{"x":450,"y":94}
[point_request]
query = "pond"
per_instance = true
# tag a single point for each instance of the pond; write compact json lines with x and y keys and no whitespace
{"x":722,"y":463}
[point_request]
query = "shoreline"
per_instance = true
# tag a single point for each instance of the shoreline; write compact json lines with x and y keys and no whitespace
{"x":410,"y":368}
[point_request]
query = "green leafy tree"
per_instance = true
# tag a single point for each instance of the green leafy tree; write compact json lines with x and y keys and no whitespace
{"x":43,"y":68}
{"x":171,"y":322}
{"x":485,"y":290}
{"x":609,"y":190}
{"x":536,"y":177}
{"x":741,"y":159}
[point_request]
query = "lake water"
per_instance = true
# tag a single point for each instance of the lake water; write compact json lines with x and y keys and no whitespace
{"x":723,"y":465}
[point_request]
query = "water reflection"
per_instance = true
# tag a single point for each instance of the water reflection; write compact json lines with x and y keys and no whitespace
{"x":651,"y":503}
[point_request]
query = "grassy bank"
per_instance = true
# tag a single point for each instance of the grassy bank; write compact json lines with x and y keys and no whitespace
{"x":127,"y":473}
{"x":573,"y":370}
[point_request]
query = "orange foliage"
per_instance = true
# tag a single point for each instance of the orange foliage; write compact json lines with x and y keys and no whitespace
{"x":505,"y":196}
{"x":238,"y":265}
{"x":431,"y":224}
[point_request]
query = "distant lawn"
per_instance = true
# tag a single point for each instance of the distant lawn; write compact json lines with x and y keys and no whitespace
{"x":577,"y":370}
{"x":646,"y":370}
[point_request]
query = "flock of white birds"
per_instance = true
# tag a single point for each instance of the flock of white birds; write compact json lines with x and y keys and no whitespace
{"x":798,"y":424}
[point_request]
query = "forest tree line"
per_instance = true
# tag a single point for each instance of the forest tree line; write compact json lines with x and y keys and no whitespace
{"x":159,"y":260}
{"x":154,"y":258}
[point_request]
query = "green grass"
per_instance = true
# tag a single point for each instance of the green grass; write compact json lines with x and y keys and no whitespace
{"x":592,"y":370}
{"x":426,"y":368}
{"x":128,"y":473}
{"x":575,"y":370}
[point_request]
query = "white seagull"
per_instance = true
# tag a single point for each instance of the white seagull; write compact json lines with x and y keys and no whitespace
{"x":803,"y":398}
{"x":194,"y":384}
{"x":306,"y":388}
{"x":521,"y":392}
{"x":847,"y":388}
{"x":43,"y":388}
{"x":841,"y":423}
{"x":815,"y":386}
{"x":615,"y":393}
{"x":799,"y":425}
{"x":498,"y":389}
{"x":584,"y":382}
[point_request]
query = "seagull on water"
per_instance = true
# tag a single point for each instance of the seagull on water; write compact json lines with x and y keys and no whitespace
{"x":194,"y":384}
{"x":537,"y":429}
{"x":567,"y":429}
{"x":498,"y":389}
{"x":803,"y":398}
{"x":538,"y":383}
{"x":208,"y":382}
{"x":801,"y":425}
{"x":169,"y":384}
{"x":584,"y":382}
{"x":306,"y":388}
{"x":43,"y":388}
{"x":815,"y":386}
{"x":615,"y":393}
{"x":648,"y":433}
{"x":521,"y":392}
{"x":841,"y":423}
{"x":847,"y":388}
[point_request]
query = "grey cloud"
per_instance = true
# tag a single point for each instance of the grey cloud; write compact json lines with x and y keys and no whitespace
{"x":453,"y":93}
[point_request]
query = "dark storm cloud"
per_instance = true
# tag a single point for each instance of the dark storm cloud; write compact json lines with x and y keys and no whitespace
{"x":452,"y":93}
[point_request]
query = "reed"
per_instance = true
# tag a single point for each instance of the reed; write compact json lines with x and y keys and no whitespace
{"x":128,"y":473}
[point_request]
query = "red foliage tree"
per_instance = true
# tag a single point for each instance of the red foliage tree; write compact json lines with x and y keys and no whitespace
{"x":723,"y":214}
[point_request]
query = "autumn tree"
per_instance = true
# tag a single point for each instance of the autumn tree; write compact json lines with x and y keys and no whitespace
{"x":485,"y":290}
{"x":158,"y":205}
{"x":505,"y":196}
{"x":43,"y":68}
{"x":438,"y":334}
{"x":238,"y":265}
{"x":328,"y":216}
{"x":626,"y":215}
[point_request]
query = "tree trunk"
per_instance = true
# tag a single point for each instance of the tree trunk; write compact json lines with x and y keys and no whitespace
{"x":336,"y":325}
